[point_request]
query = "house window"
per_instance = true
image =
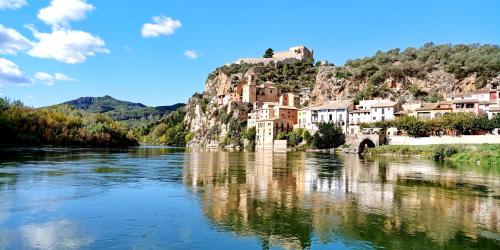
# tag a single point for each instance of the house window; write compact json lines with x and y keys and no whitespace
{"x":383,"y":111}
{"x":331,"y":118}
{"x":469,"y":105}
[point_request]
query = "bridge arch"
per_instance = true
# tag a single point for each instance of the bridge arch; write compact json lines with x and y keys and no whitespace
{"x":365,"y":143}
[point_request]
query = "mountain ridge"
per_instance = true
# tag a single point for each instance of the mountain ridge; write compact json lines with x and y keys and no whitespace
{"x":120,"y":110}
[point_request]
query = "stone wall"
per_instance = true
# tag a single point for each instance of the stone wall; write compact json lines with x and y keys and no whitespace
{"x":280,"y":145}
{"x":464,"y":139}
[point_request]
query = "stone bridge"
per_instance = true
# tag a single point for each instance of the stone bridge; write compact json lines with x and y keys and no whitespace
{"x":363,"y":141}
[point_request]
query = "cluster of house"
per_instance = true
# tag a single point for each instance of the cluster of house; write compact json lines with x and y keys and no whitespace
{"x":275,"y":112}
{"x":272,"y":118}
{"x":484,"y":102}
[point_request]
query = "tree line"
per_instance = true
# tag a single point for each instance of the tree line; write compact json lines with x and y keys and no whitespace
{"x":450,"y":123}
{"x":59,"y":126}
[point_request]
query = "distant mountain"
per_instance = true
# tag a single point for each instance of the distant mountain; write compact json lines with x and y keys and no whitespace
{"x":103,"y":104}
{"x":118,"y":110}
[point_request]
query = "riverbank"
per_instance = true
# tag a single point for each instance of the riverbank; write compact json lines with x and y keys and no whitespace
{"x":481,"y":154}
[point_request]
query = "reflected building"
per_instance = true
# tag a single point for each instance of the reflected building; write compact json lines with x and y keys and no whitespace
{"x":290,"y":199}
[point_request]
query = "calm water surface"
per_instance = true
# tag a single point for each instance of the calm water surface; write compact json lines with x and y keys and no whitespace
{"x":150,"y":198}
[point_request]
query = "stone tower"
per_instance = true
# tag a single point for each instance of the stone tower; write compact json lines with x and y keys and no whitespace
{"x":250,"y":89}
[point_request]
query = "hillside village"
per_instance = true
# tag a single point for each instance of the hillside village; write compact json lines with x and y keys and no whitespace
{"x":271,"y":110}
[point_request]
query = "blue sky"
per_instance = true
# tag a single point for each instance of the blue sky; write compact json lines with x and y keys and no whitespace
{"x":57,"y":50}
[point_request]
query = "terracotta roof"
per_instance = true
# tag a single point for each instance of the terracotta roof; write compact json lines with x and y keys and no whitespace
{"x":457,"y":95}
{"x":428,"y":106}
{"x":272,"y":119}
{"x":385,"y":104}
{"x":434,"y":106}
{"x":285,"y":107}
{"x":334,"y":105}
{"x":487,"y":103}
{"x":466,"y":101}
{"x":445,"y":102}
{"x":401,"y":112}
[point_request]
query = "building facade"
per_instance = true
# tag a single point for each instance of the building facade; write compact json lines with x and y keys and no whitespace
{"x":333,"y":112}
{"x":267,"y":129}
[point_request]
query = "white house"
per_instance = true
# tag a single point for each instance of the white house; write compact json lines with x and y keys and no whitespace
{"x":304,"y":120}
{"x":384,"y":111}
{"x":333,"y":112}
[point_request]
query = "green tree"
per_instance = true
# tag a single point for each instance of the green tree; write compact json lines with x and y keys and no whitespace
{"x":250,"y":134}
{"x":328,"y":136}
{"x":295,"y":137}
{"x":282,"y":136}
{"x":189,"y":137}
{"x":269,"y":53}
{"x":307,"y":136}
{"x":160,"y":130}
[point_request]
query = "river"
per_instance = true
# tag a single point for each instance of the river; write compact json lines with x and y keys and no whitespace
{"x":167,"y":198}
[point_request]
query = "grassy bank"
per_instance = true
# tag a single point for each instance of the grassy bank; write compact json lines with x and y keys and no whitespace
{"x":484,"y":154}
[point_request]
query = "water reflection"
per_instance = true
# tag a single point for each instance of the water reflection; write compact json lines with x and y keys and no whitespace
{"x":297,"y":200}
{"x":62,"y":234}
{"x":170,"y":198}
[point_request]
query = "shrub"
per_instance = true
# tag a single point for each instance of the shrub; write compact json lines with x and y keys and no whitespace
{"x":250,"y":134}
{"x":160,"y":130}
{"x":328,"y":136}
{"x":442,"y":152}
{"x":189,"y":137}
{"x":295,"y":137}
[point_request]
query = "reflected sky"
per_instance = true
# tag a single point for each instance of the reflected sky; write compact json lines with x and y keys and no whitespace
{"x":170,"y":198}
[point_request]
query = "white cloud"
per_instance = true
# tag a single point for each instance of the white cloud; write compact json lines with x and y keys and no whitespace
{"x":12,"y":4}
{"x":62,"y":12}
{"x":66,"y":45}
{"x":29,"y":96}
{"x":192,"y":54}
{"x":10,"y":73}
{"x":12,"y":41}
{"x":50,"y":80}
{"x":161,"y":26}
{"x":62,"y":234}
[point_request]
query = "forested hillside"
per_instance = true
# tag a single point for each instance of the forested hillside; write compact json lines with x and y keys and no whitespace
{"x":60,"y":125}
{"x":133,"y":114}
{"x":429,"y":73}
{"x":170,"y":130}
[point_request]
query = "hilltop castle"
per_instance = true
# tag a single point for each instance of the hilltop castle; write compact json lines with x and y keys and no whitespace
{"x":300,"y":53}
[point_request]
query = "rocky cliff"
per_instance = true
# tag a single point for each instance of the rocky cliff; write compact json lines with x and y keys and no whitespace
{"x":427,"y":74}
{"x":434,"y":85}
